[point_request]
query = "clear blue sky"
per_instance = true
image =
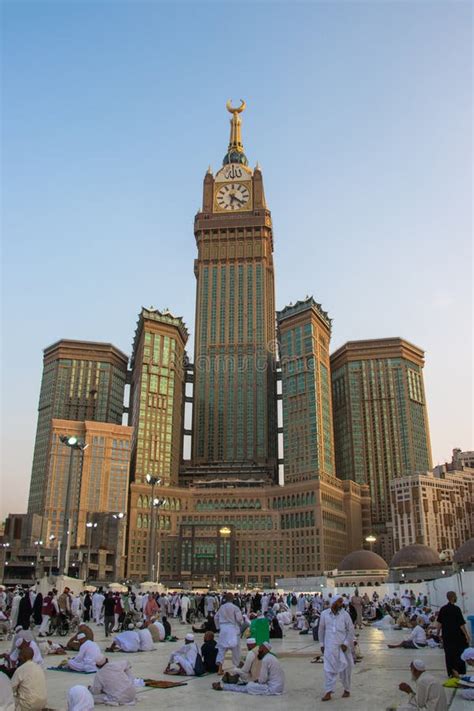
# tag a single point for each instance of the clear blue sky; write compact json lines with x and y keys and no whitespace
{"x":359,"y":114}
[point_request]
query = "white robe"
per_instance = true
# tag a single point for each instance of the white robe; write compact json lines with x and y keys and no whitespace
{"x":79,"y":699}
{"x":161,"y":630}
{"x":271,"y":680}
{"x":429,"y":695}
{"x":6,"y":694}
{"x":85,"y":659}
{"x":146,"y":640}
{"x":228,"y":620}
{"x":185,"y":656}
{"x":128,"y":641}
{"x":114,"y":682}
{"x":335,"y":630}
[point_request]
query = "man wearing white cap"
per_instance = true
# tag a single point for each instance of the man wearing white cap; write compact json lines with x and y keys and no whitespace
{"x":429,"y":693}
{"x":228,"y":620}
{"x":271,"y":680}
{"x":250,"y":669}
{"x":85,"y":659}
{"x":337,"y":636}
{"x":113,"y":683}
{"x":468,"y":657}
{"x":184,"y":658}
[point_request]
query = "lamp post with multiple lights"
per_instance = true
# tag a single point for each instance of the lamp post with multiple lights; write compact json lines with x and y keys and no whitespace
{"x":155,"y":503}
{"x":370,"y":540}
{"x":73,"y":443}
{"x":225,"y":532}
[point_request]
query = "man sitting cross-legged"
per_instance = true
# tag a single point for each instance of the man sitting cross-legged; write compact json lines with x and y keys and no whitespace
{"x":184,"y":659}
{"x":271,"y":680}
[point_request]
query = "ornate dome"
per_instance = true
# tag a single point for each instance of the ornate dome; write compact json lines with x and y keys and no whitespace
{"x":362,"y":560}
{"x":465,"y":553}
{"x":415,"y":556}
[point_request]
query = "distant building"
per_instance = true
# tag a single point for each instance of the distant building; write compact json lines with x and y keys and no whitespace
{"x":380,"y":420}
{"x":81,"y":381}
{"x":462,"y":459}
{"x":436,"y":510}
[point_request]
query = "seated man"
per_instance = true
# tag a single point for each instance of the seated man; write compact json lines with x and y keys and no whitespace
{"x":128,"y":641}
{"x":29,"y":683}
{"x":468,"y":657}
{"x":146,"y":640}
{"x":417,"y":638}
{"x":73,"y":643}
{"x":20,"y":643}
{"x":184,"y":658}
{"x":85,"y":659}
{"x":209,"y":653}
{"x":79,"y":699}
{"x":113,"y":683}
{"x":271,"y":680}
{"x":429,"y":693}
{"x":248,"y":670}
{"x":160,"y":631}
{"x":153,"y":629}
{"x":7,"y":702}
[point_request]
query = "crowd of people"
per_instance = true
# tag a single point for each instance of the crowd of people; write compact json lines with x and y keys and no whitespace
{"x":136,"y":622}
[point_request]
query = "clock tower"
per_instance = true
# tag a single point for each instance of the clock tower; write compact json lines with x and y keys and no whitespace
{"x":234,"y":414}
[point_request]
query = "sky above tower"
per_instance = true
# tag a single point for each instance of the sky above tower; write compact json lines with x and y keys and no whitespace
{"x":359,"y":114}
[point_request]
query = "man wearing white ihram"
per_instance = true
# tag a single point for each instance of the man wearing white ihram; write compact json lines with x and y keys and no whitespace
{"x":337,"y":636}
{"x":228,"y":620}
{"x":271,"y":679}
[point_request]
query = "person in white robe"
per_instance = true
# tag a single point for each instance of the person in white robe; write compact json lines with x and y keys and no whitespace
{"x":113,"y":683}
{"x":468,"y":657}
{"x":228,"y":620}
{"x":79,"y":699}
{"x":85,"y":659}
{"x":337,"y":636}
{"x":7,"y":702}
{"x":161,"y":630}
{"x":97,"y":604}
{"x":128,"y":641}
{"x":146,"y":640}
{"x":185,"y":602}
{"x":22,"y":642}
{"x":184,"y":658}
{"x":429,"y":694}
{"x":15,"y":609}
{"x":271,"y":679}
{"x":250,"y":669}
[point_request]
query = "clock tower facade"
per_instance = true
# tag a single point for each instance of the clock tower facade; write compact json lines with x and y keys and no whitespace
{"x":235,"y":412}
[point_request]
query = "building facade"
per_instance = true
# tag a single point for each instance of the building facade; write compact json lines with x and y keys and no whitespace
{"x":380,"y":420}
{"x":304,"y":332}
{"x":234,"y":413}
{"x":81,"y":381}
{"x":434,"y":509}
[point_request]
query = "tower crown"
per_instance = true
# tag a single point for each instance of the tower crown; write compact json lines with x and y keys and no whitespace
{"x":235,"y":152}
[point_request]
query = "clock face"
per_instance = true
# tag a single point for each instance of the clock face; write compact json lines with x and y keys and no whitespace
{"x":233,"y":196}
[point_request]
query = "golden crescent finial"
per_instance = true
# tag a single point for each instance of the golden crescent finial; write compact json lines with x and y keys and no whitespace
{"x":231,"y":109}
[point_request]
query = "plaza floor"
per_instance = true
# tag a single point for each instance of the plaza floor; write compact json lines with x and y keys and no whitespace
{"x":374,"y":683}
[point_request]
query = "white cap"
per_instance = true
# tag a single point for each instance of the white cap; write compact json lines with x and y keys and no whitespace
{"x":335,"y":598}
{"x":251,"y":640}
{"x":267,"y":645}
{"x":468,"y":654}
{"x":100,"y":661}
{"x":18,"y":628}
{"x":189,"y":637}
{"x":81,"y":635}
{"x":131,"y":627}
{"x":419,"y":665}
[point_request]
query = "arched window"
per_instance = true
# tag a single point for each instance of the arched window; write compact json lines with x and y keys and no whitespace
{"x":258,"y":504}
{"x":139,"y":521}
{"x":145,"y":521}
{"x":139,"y":502}
{"x":145,"y":502}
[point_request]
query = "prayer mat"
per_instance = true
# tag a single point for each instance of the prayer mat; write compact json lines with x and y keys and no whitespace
{"x":158,"y":684}
{"x":66,"y":669}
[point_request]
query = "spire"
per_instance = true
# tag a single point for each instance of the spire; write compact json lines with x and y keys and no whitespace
{"x":235,"y":152}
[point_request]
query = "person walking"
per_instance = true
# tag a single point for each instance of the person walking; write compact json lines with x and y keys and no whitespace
{"x":455,"y":636}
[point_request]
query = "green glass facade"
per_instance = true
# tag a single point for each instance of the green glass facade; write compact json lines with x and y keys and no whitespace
{"x":380,"y":424}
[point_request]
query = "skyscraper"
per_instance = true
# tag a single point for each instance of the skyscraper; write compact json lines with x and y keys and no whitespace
{"x":156,"y":415}
{"x":81,"y":381}
{"x":234,"y":415}
{"x":304,"y":332}
{"x":380,"y":420}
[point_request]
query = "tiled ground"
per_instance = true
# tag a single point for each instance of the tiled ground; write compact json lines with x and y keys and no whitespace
{"x":374,"y":688}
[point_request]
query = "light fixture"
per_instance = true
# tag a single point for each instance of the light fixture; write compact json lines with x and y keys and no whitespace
{"x":153,"y":480}
{"x":52,"y":538}
{"x":91,"y":524}
{"x":225,"y":531}
{"x":119,"y":515}
{"x":371,"y":538}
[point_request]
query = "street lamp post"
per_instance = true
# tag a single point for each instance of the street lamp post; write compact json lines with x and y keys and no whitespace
{"x":89,"y":525}
{"x":225,"y":533}
{"x":38,"y":544}
{"x":73,"y":443}
{"x":51,"y":539}
{"x":119,"y":571}
{"x":153,"y":481}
